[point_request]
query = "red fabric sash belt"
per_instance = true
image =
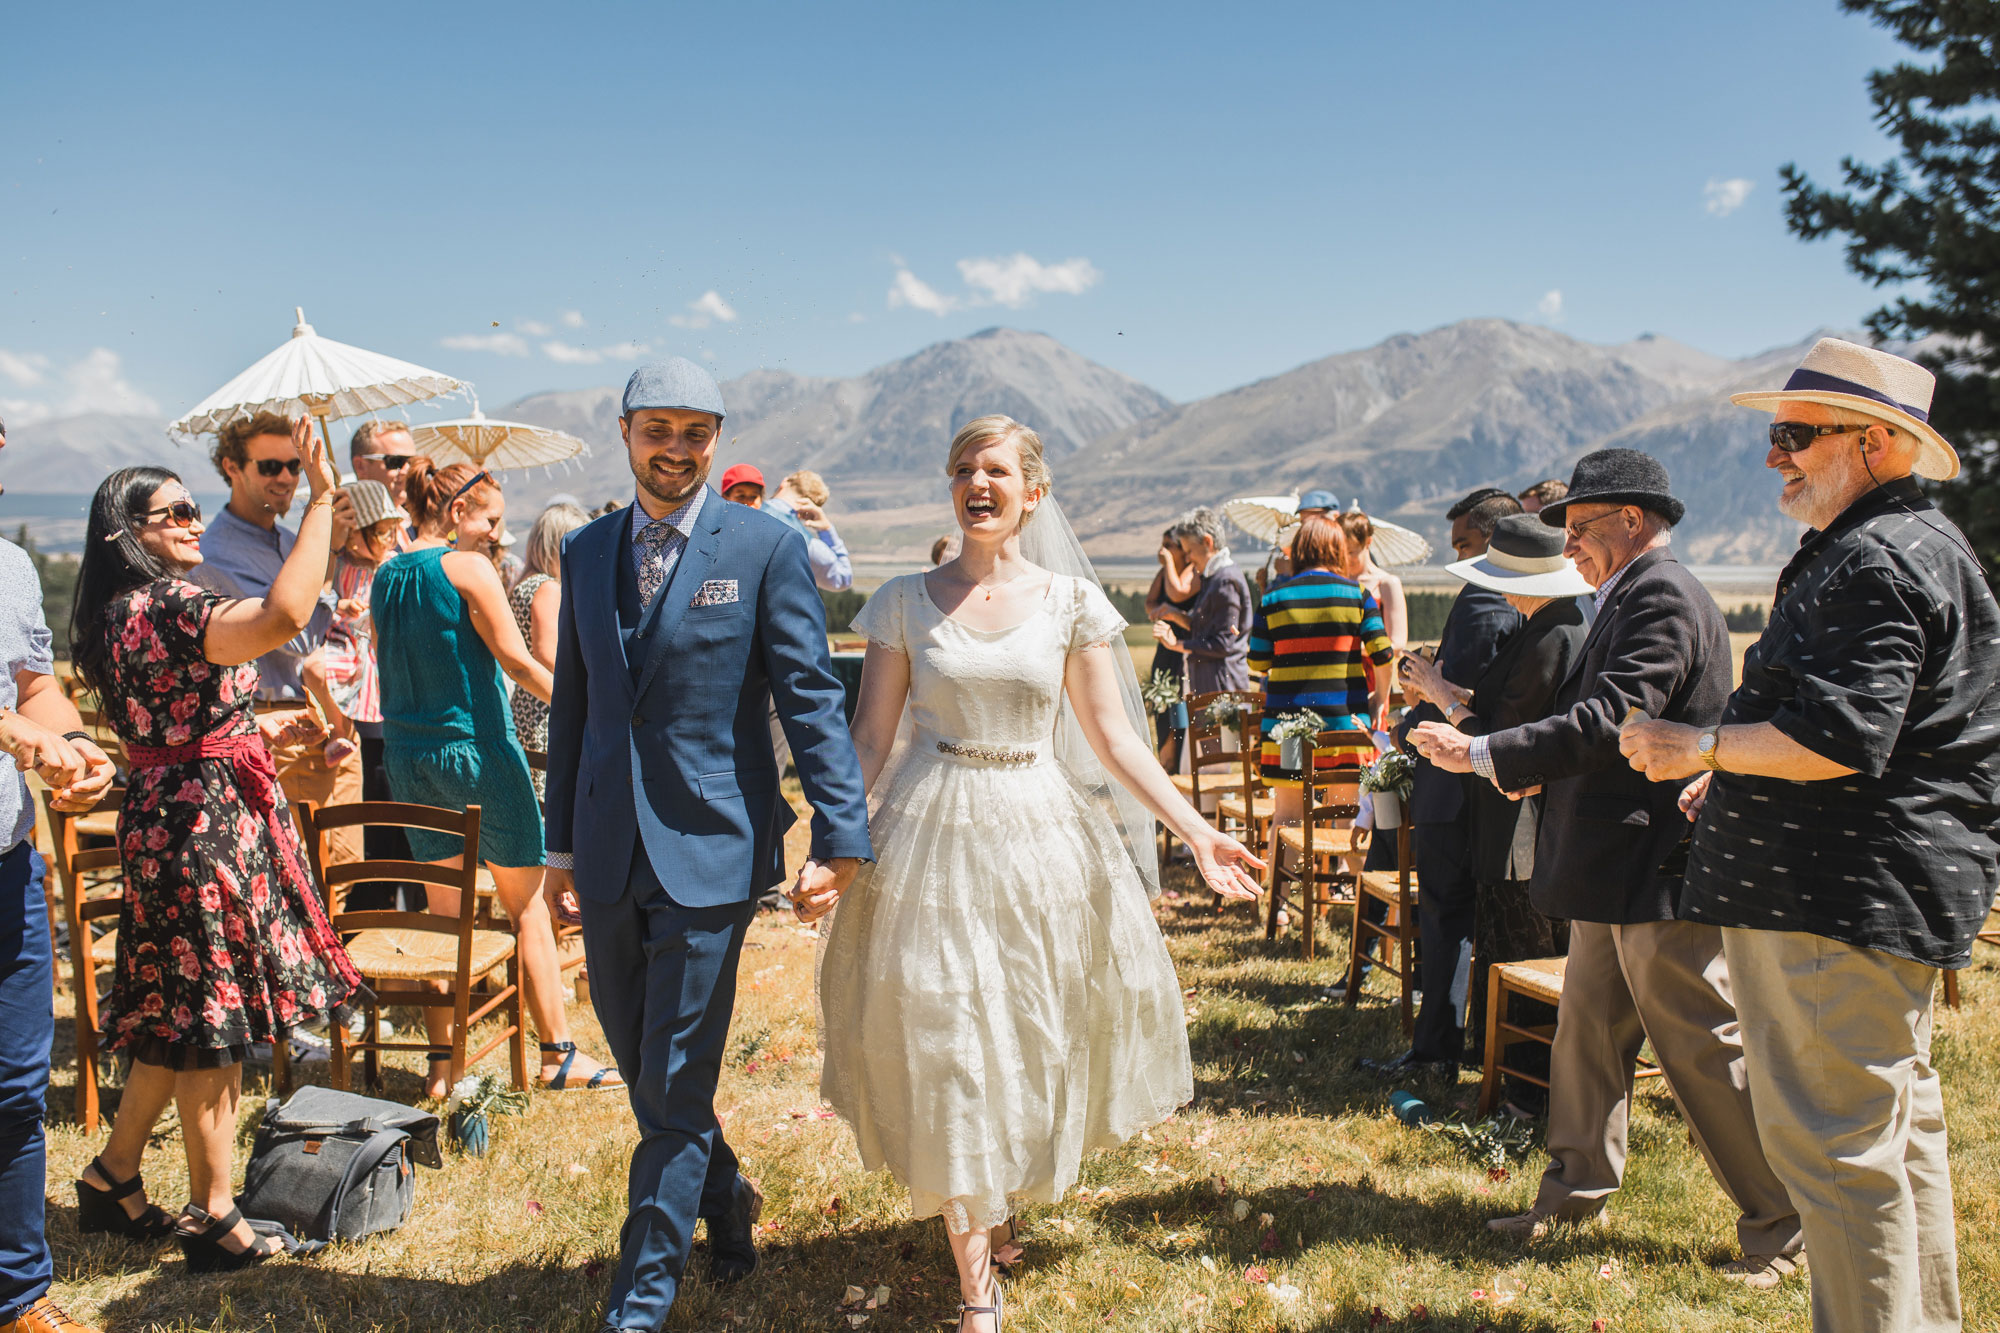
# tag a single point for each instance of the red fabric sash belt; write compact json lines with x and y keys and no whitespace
{"x":257,"y":780}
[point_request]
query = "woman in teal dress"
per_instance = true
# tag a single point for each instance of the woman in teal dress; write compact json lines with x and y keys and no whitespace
{"x":443,"y":634}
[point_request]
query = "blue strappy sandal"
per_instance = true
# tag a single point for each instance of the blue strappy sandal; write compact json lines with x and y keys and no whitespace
{"x":598,"y":1082}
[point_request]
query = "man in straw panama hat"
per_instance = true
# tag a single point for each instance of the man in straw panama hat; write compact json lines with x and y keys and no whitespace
{"x":1609,"y":858}
{"x":1845,"y":830}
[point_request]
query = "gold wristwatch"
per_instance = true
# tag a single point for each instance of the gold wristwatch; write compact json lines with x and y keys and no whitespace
{"x":1705,"y":748}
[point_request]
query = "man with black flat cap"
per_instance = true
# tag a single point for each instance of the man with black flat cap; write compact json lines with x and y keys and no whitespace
{"x":1609,"y":858}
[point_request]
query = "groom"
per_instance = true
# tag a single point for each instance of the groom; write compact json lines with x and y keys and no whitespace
{"x":683,"y":617}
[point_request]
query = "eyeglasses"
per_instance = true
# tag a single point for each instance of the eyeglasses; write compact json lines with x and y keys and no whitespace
{"x":393,"y":462}
{"x":181,"y":513}
{"x":271,"y":467}
{"x":1575,"y":530}
{"x":1792,"y":436}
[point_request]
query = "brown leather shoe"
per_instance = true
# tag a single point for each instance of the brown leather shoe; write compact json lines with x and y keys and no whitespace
{"x":45,"y":1316}
{"x":1763,"y":1272}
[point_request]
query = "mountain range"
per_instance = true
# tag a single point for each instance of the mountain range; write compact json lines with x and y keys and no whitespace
{"x":1405,"y":427}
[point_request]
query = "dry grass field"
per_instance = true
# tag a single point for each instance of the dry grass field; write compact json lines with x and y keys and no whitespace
{"x":1285,"y":1197}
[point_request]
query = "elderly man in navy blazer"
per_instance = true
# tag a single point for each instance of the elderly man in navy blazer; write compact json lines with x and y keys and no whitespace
{"x":687,"y":617}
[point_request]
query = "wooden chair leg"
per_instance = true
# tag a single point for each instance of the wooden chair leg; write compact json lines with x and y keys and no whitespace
{"x":337,"y":1057}
{"x":86,"y":1073}
{"x":1951,"y":989}
{"x":1357,"y":949}
{"x":1496,"y":1002}
{"x":1308,"y":901}
{"x":517,"y":1045}
{"x":281,"y":1064}
{"x":1406,"y":941}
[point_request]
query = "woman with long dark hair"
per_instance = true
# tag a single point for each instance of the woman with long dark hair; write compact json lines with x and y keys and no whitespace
{"x":222,"y":941}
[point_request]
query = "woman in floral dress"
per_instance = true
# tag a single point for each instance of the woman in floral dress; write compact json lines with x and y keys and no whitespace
{"x":535,"y":600}
{"x":222,"y":943}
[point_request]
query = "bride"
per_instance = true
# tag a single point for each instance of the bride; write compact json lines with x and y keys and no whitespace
{"x":996,"y":996}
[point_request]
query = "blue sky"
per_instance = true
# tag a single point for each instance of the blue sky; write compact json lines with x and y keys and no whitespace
{"x":1196,"y":195}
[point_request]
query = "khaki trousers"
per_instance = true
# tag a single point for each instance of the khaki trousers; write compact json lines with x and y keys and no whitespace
{"x":1838,"y":1044}
{"x":1663,"y":981}
{"x":304,"y":776}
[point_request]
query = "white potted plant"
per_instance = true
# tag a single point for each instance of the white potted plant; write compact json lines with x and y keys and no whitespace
{"x":1387,"y":782}
{"x":1294,"y":733}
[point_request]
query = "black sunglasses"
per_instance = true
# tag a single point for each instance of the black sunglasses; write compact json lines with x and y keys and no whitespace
{"x":271,"y":467}
{"x":393,"y":462}
{"x":1792,"y":436}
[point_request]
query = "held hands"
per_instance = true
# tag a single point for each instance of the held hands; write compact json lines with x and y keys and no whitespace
{"x":559,"y":888}
{"x":76,"y":770}
{"x":1662,"y":751}
{"x":820,"y":885}
{"x":1164,"y":634}
{"x":290,"y":728}
{"x":1220,"y":859}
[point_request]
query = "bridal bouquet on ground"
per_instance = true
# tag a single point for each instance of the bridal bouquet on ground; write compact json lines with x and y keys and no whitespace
{"x":1387,"y":782}
{"x":475,"y":1100}
{"x":1294,"y":733}
{"x":1162,"y":695}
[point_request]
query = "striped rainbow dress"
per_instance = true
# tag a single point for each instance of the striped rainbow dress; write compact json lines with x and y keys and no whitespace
{"x":1310,"y":638}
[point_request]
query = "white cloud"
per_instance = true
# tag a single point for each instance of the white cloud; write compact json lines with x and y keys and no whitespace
{"x":534,"y":328}
{"x":1723,"y":197}
{"x":570,"y":355}
{"x":24,"y":368}
{"x":1014,"y":280}
{"x":857,"y":317}
{"x":910,"y":290}
{"x":708,"y":308}
{"x":95,"y":382}
{"x":500,"y":344}
{"x":1551,"y":305}
{"x":571,"y":319}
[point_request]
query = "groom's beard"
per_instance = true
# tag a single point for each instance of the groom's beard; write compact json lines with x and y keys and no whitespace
{"x":668,"y":492}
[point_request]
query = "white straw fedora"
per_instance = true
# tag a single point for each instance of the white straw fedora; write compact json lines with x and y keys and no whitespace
{"x":1874,"y":383}
{"x":1525,"y":558}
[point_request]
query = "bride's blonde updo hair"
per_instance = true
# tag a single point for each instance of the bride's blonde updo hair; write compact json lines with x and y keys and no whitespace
{"x":995,"y":428}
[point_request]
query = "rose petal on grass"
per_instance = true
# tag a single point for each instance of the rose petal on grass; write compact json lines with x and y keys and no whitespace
{"x":1256,"y":1273}
{"x":1240,"y":1209}
{"x":1265,"y":1219}
{"x":1208,"y":1262}
{"x":534,"y":1208}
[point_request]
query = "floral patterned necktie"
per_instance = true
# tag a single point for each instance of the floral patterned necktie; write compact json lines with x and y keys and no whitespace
{"x":654,"y":540}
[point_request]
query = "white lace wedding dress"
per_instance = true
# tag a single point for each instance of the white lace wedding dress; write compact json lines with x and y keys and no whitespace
{"x":995,"y":994}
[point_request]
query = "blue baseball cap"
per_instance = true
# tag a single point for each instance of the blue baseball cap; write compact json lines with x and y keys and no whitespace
{"x":675,"y":382}
{"x":1318,"y":500}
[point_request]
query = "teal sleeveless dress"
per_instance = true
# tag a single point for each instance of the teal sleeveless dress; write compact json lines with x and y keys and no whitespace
{"x":447,"y":736}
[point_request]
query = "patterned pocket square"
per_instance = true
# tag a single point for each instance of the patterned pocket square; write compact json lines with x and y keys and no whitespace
{"x":715,"y":592}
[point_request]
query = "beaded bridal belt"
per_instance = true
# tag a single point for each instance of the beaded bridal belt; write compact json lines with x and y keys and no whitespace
{"x":1013,"y":755}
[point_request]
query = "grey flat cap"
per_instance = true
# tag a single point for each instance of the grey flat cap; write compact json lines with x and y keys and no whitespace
{"x":674,"y":382}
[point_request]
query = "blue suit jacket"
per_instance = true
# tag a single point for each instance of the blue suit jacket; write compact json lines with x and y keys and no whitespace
{"x":677,"y":749}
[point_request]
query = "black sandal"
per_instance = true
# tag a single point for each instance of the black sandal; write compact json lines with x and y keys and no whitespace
{"x":205,"y":1252}
{"x":560,"y":1083}
{"x":99,"y":1211}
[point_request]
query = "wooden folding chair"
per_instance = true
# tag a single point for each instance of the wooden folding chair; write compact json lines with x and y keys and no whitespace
{"x":1246,"y":810}
{"x":401,"y":955}
{"x":1537,"y":979}
{"x":1988,"y":934}
{"x":1207,"y":747}
{"x":1399,"y":890}
{"x":1325,"y":848}
{"x":93,"y":889}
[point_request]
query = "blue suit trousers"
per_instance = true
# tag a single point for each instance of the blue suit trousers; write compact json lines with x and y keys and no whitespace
{"x":27,"y":1016}
{"x":663,"y":982}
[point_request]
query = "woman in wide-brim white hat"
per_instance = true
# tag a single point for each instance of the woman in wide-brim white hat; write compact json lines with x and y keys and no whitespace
{"x":1525,"y":564}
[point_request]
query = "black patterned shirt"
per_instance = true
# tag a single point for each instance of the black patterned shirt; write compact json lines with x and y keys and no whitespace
{"x":1882,"y":655}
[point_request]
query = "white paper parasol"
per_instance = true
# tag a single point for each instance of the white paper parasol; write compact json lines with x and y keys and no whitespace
{"x":319,"y":377}
{"x":1263,"y":516}
{"x":1266,"y":517}
{"x":495,"y":444}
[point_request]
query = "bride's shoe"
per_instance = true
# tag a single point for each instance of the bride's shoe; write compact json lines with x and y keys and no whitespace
{"x":995,"y":1309}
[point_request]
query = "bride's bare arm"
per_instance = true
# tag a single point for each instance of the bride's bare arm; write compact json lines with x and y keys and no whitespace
{"x":885,"y":684}
{"x":1091,"y":680}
